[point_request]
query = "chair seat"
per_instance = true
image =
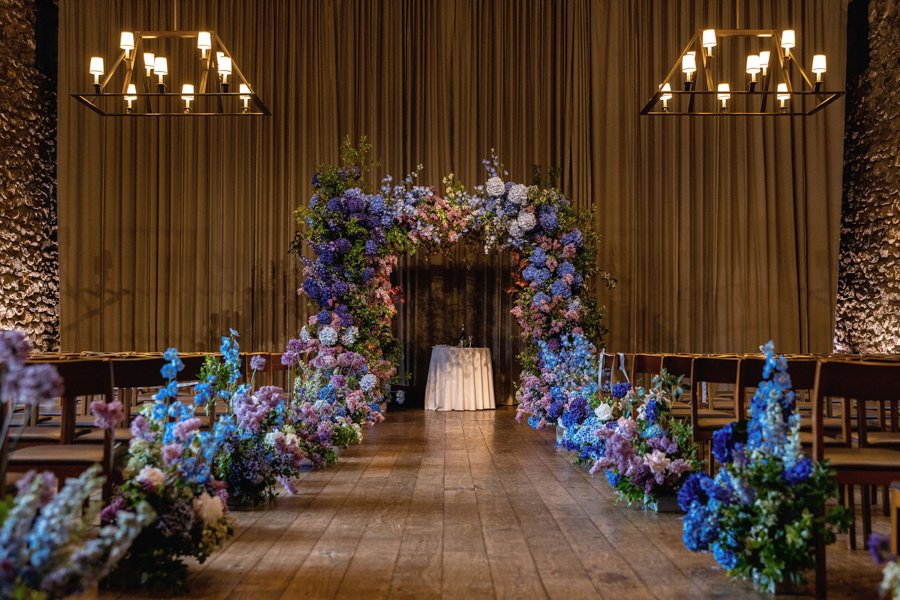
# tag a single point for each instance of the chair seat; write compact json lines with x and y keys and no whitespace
{"x":883,"y":439}
{"x":57,"y":454}
{"x":806,"y":439}
{"x":47,"y":435}
{"x":713,"y":423}
{"x":682,"y":410}
{"x":96,"y":436}
{"x":863,"y":459}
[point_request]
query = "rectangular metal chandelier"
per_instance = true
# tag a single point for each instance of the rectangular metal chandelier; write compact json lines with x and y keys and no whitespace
{"x":774,"y":82}
{"x":218,"y":89}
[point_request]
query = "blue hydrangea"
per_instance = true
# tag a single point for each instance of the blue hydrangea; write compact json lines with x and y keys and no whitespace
{"x":620,"y":390}
{"x":548,"y":219}
{"x":800,"y":472}
{"x":561,"y":289}
{"x":723,"y":441}
{"x":566,"y":268}
{"x":573,"y":237}
{"x":613,"y":478}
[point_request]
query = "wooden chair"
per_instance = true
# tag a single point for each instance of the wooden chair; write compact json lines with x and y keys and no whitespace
{"x":65,"y":458}
{"x":644,"y":367}
{"x":895,"y":518}
{"x":866,"y":464}
{"x":714,"y":370}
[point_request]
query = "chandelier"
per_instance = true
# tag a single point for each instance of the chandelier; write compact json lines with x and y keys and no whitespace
{"x":772,"y":82}
{"x":217,"y":88}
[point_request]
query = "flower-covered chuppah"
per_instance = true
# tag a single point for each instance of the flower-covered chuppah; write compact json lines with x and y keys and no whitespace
{"x":346,"y":354}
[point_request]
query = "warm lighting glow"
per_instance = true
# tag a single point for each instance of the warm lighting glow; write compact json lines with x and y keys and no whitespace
{"x":130,"y":95}
{"x":224,"y":68}
{"x":709,"y":40}
{"x":204,"y":42}
{"x":148,"y":62}
{"x":161,"y":67}
{"x":126,"y":42}
{"x":689,"y":65}
{"x":666,"y":95}
{"x":782,"y":94}
{"x":96,"y":68}
{"x":764,"y":61}
{"x":245,"y":95}
{"x":818,"y":66}
{"x":187,"y":94}
{"x":724,"y":94}
{"x":788,"y":40}
{"x":753,"y":66}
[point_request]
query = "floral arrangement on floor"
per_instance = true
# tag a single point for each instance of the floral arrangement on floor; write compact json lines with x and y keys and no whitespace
{"x":357,"y":236}
{"x":170,"y":466}
{"x":761,"y":513}
{"x":49,"y":547}
{"x":879,"y":548}
{"x":648,"y":453}
{"x":258,"y":441}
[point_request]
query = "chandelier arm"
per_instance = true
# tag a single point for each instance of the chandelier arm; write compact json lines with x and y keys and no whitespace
{"x":112,"y":71}
{"x":234,"y":66}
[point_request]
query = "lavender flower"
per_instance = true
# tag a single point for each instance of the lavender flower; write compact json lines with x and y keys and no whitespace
{"x":258,"y":363}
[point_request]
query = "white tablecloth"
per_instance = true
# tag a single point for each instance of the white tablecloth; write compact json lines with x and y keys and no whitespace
{"x":460,"y":379}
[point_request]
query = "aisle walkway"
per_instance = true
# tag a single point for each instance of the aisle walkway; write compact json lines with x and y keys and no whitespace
{"x":469,"y":505}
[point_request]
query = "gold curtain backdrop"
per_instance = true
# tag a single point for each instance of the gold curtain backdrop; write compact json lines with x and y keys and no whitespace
{"x":723,"y":233}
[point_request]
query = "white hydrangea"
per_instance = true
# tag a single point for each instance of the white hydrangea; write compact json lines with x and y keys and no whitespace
{"x":526,"y":221}
{"x":518,"y":194}
{"x":495,"y":187}
{"x":368,"y":382}
{"x":349,"y":335}
{"x":328,"y":336}
{"x":604,"y":412}
{"x":208,"y":508}
{"x":304,"y":334}
{"x":152,"y":476}
{"x":515,"y":230}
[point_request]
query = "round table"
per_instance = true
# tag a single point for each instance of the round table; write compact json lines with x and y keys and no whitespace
{"x":460,"y":379}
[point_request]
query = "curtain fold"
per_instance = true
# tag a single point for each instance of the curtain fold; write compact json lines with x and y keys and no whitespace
{"x":723,"y":233}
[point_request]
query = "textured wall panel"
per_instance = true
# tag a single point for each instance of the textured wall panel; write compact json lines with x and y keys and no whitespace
{"x":28,"y":247}
{"x":868,"y":304}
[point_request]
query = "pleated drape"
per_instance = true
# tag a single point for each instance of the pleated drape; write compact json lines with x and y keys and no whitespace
{"x":723,"y":233}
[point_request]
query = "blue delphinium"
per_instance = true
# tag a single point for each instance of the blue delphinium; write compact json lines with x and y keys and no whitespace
{"x":620,"y":390}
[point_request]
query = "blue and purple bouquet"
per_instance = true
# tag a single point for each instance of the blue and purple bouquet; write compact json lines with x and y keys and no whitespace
{"x":759,"y":516}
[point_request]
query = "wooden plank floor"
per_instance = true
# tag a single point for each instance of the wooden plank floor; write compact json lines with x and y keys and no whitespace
{"x":470,"y":505}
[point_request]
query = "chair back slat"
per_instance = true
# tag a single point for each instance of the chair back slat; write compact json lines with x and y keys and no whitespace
{"x":137,"y":372}
{"x":678,"y":364}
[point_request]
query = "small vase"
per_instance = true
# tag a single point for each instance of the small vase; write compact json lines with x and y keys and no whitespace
{"x":667,"y":504}
{"x":560,"y":434}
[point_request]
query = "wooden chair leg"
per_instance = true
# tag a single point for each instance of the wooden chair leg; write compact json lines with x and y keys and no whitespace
{"x":886,"y":501}
{"x":866,"y":506}
{"x":851,"y":506}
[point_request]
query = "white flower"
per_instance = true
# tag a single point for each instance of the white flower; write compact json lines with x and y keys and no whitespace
{"x":209,"y":508}
{"x":604,"y":412}
{"x":514,"y":230}
{"x":368,"y":382}
{"x":349,"y":335}
{"x":152,"y":476}
{"x":495,"y":186}
{"x":290,"y":438}
{"x":518,"y":194}
{"x":527,"y":221}
{"x":272,"y":438}
{"x":304,"y":334}
{"x":657,"y":461}
{"x":328,"y":336}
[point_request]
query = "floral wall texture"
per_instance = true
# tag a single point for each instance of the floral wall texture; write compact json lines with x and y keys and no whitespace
{"x":29,"y":257}
{"x":868,"y":302}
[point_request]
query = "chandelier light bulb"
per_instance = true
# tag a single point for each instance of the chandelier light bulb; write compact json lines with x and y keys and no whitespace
{"x":161,"y":67}
{"x":689,"y":65}
{"x":224,"y":68}
{"x":788,"y":40}
{"x":709,"y":40}
{"x":818,"y":66}
{"x":96,"y":68}
{"x":245,"y":96}
{"x":724,"y":94}
{"x":204,"y":42}
{"x":753,"y":66}
{"x":764,"y":61}
{"x":187,"y":94}
{"x":126,"y":42}
{"x":130,"y":96}
{"x":782,"y":95}
{"x":148,"y":62}
{"x":666,"y":95}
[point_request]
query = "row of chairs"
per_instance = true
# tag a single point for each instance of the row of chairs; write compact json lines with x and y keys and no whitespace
{"x":848,"y":407}
{"x":63,"y":439}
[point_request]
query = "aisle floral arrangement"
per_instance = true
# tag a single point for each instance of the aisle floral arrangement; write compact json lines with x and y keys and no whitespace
{"x":761,"y":514}
{"x":647,"y":452}
{"x":259,"y":446}
{"x":879,"y":548}
{"x":346,"y":355}
{"x":49,"y":546}
{"x":170,"y":466}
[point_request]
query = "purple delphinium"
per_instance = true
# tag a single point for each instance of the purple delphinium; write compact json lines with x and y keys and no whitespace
{"x":258,"y":363}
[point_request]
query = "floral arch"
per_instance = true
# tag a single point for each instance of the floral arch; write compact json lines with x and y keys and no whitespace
{"x":346,"y":355}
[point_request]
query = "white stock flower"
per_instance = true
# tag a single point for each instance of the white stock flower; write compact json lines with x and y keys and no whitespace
{"x":152,"y":476}
{"x":604,"y":412}
{"x":209,"y":508}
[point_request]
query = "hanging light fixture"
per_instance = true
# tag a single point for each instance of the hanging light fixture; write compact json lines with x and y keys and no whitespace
{"x":144,"y":93}
{"x":774,"y":74}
